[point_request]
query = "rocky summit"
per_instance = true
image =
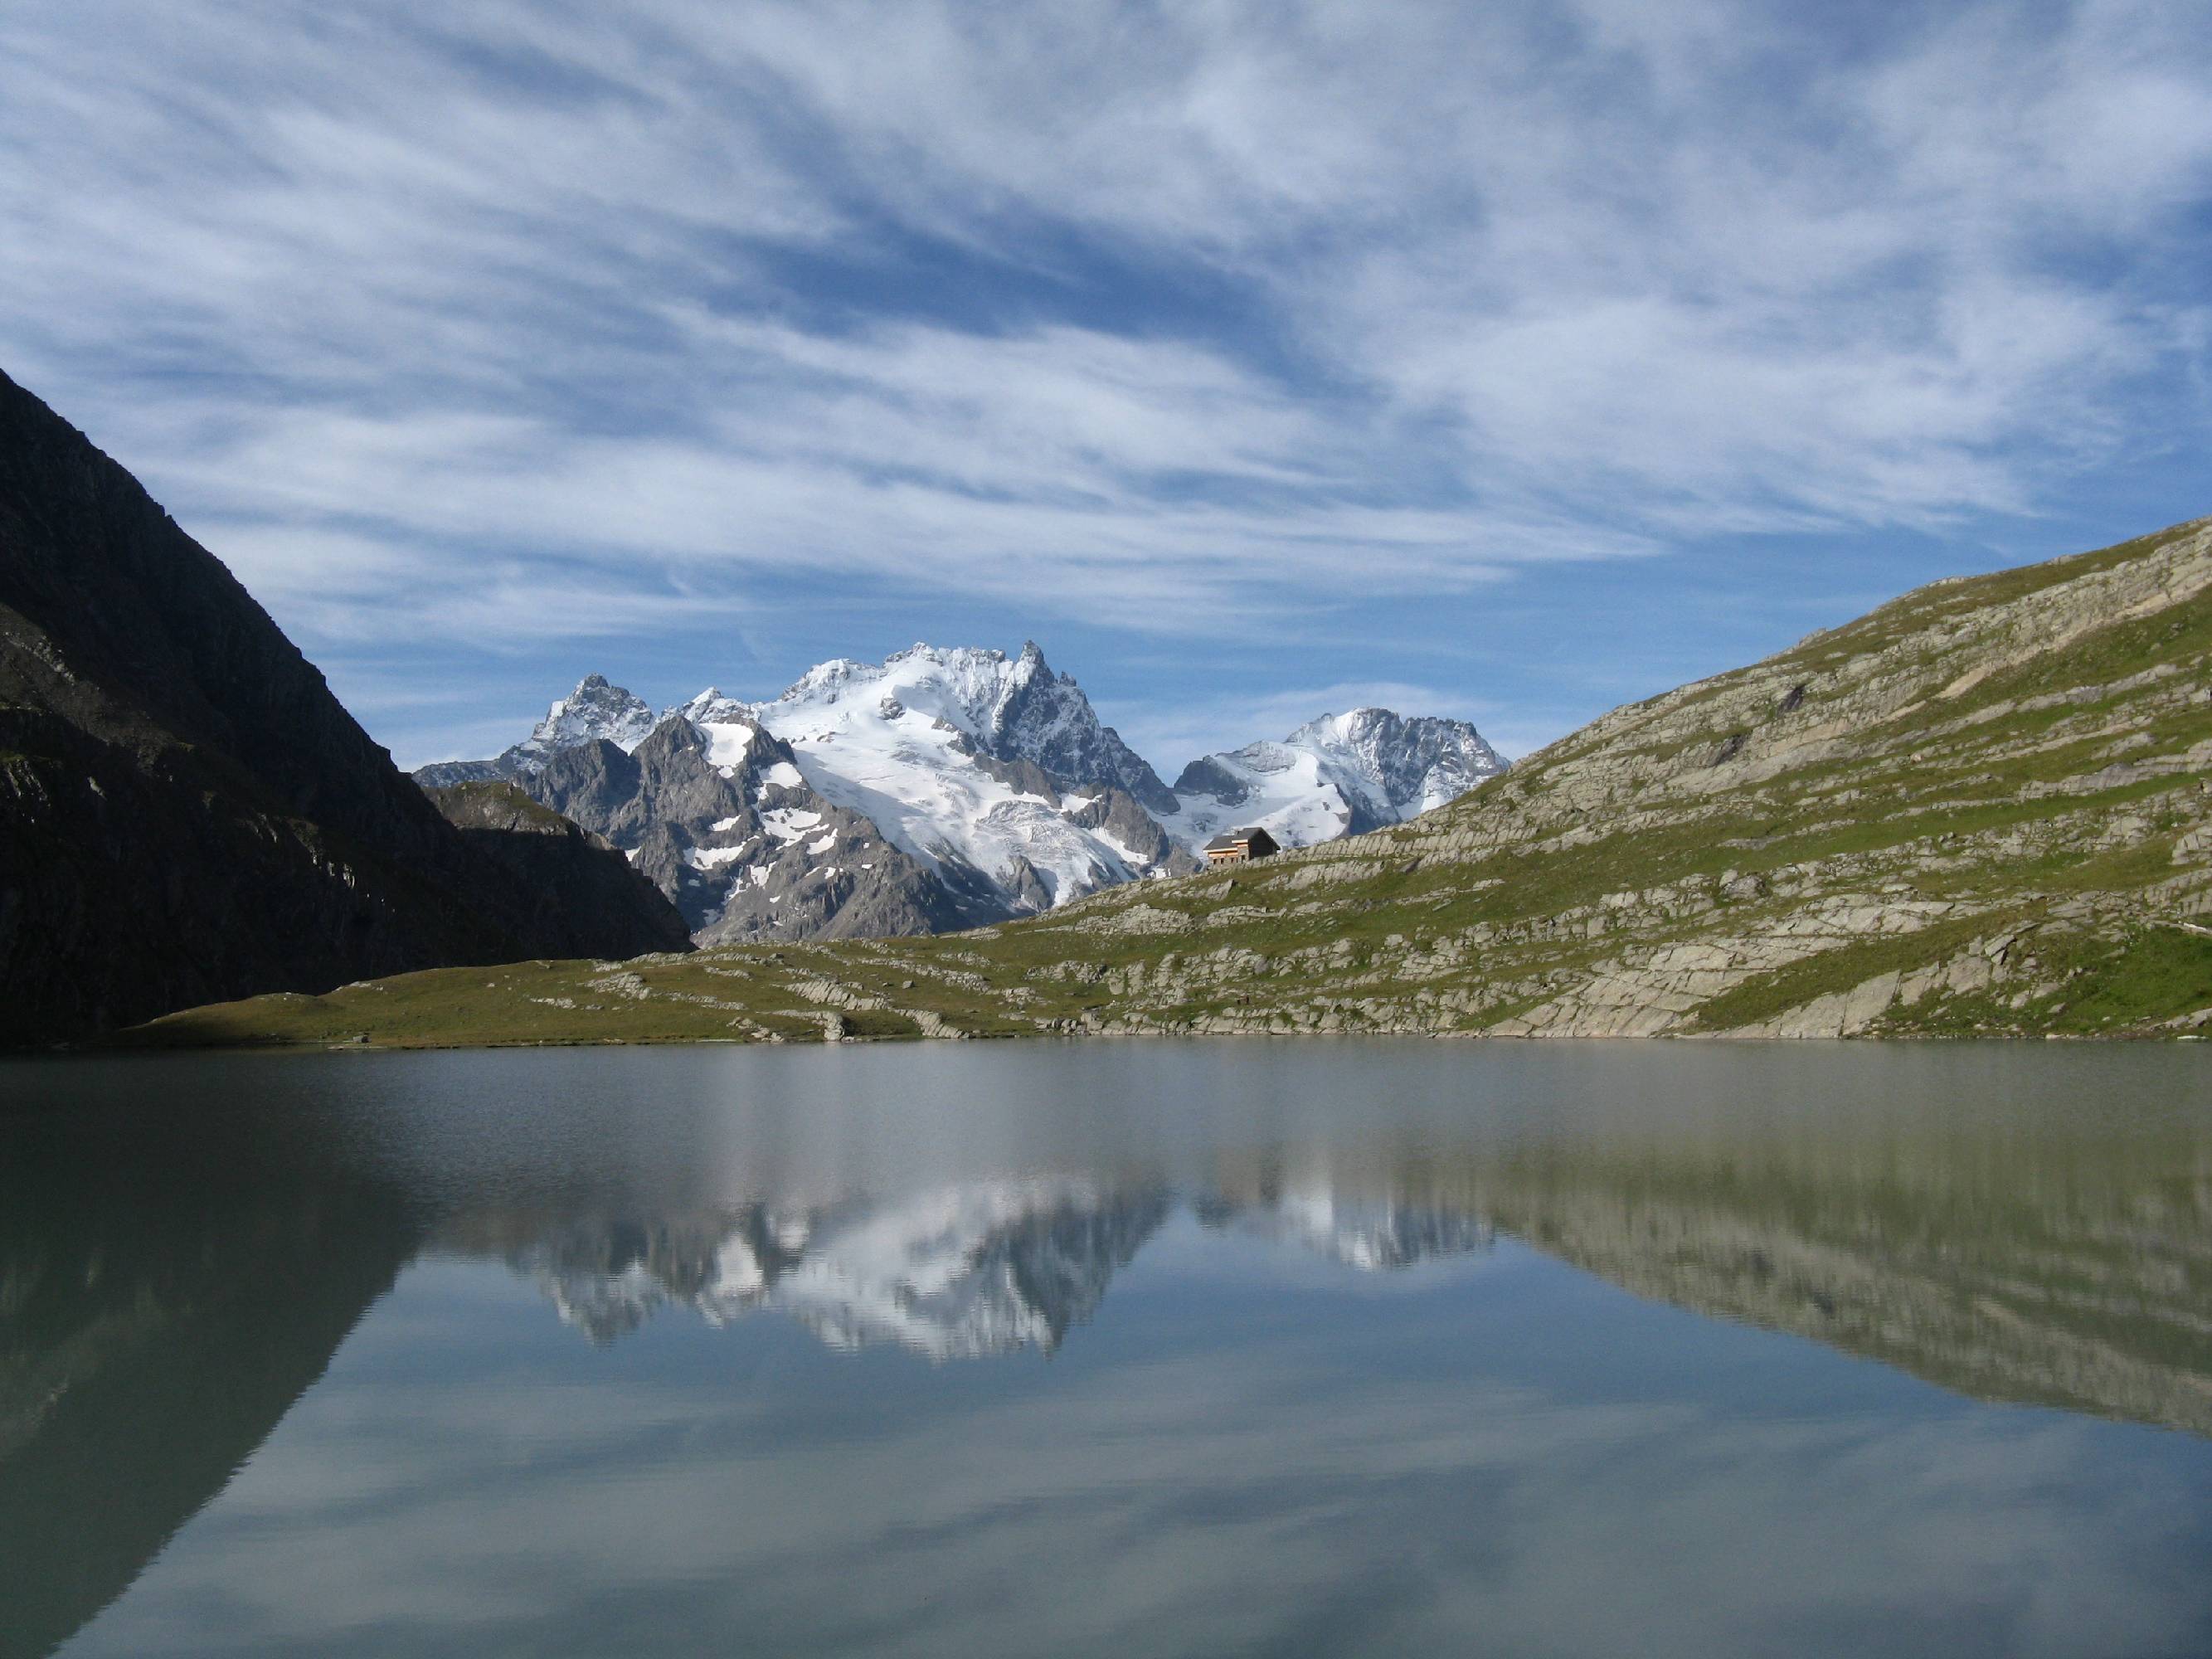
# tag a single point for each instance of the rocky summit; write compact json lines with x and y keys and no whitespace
{"x":1982,"y":809}
{"x":594,"y":711}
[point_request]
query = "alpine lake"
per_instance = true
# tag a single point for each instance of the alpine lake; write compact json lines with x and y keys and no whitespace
{"x":1385,"y":1346}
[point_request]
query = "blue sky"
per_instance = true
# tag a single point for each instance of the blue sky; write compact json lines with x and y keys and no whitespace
{"x":1503,"y":361}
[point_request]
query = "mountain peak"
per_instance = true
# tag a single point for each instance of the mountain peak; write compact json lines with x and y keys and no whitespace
{"x":1353,"y":723}
{"x":711,"y":706}
{"x":596,"y":708}
{"x":1336,"y":774}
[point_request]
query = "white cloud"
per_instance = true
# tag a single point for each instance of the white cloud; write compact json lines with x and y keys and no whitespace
{"x":536,"y":321}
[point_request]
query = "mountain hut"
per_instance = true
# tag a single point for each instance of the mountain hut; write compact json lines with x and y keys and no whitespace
{"x":1236,"y":845}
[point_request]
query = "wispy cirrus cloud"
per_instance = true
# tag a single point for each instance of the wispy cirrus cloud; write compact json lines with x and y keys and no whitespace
{"x":531,"y":326}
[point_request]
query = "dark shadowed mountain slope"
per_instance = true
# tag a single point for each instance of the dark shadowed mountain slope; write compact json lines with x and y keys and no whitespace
{"x":573,"y":878}
{"x":185,"y":810}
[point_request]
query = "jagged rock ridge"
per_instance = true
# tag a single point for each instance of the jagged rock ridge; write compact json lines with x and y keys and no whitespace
{"x":716,"y":814}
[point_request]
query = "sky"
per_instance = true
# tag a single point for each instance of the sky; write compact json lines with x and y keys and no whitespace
{"x":1508,"y":361}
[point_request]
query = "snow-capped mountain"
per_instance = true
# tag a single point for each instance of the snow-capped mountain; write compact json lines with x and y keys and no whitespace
{"x":594,"y":709}
{"x":970,"y":761}
{"x":1342,"y":775}
{"x":938,"y":789}
{"x":1008,"y":708}
{"x":718,"y":817}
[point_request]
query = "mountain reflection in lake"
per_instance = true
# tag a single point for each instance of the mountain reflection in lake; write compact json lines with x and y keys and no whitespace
{"x":954,"y":1273}
{"x":1362,"y":1347}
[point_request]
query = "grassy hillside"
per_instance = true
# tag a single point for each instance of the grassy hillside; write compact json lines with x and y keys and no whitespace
{"x":1985,"y":807}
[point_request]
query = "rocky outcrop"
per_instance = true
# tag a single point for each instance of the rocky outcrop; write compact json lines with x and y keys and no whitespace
{"x":185,"y":810}
{"x":577,"y":880}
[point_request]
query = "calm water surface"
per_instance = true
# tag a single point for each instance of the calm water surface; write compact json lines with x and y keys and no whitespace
{"x":1129,"y":1349}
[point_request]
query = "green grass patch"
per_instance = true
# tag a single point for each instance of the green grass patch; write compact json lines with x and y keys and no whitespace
{"x":1843,"y":968}
{"x":2157,"y":972}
